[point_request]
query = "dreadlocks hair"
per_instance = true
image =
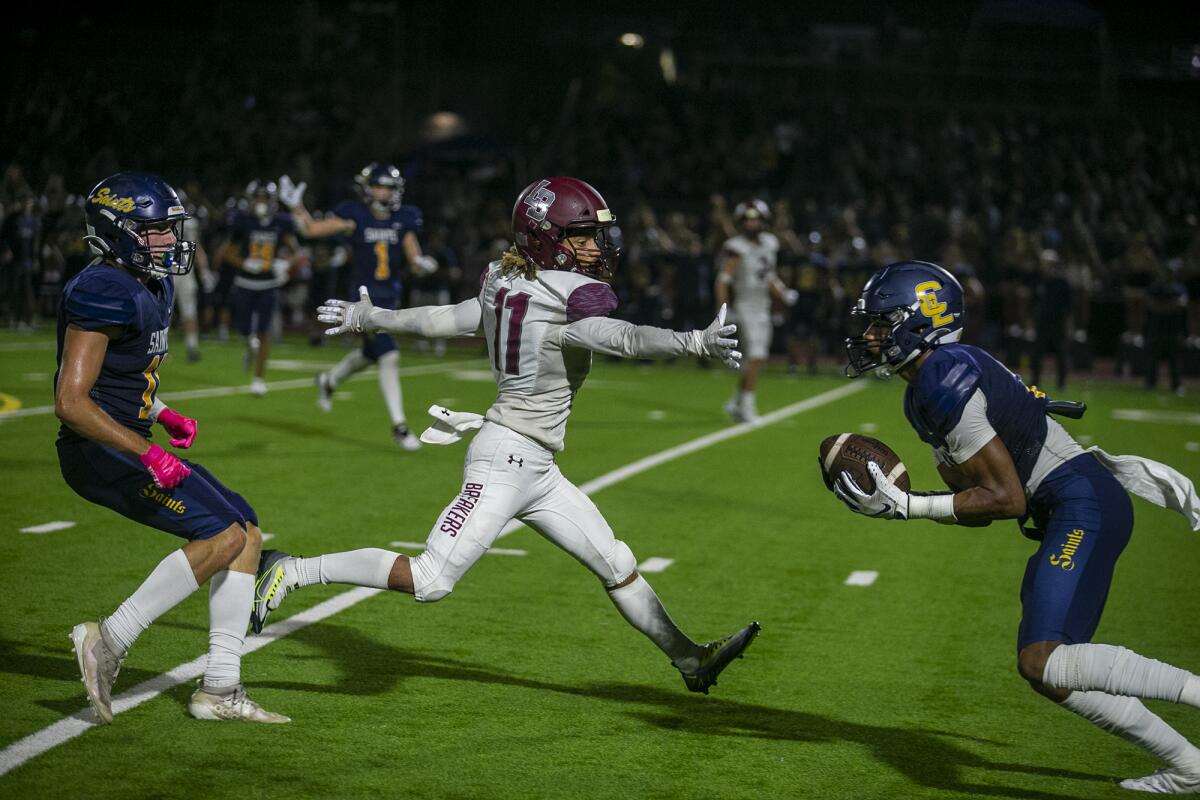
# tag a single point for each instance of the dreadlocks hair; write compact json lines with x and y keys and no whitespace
{"x":513,"y":263}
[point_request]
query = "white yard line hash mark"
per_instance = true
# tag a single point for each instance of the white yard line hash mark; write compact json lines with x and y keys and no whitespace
{"x":49,"y":527}
{"x":862,"y":577}
{"x":227,"y":391}
{"x":655,"y":564}
{"x":66,"y":729}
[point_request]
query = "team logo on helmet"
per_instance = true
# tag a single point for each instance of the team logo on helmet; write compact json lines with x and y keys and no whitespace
{"x":931,"y":307}
{"x":105,"y":198}
{"x":539,"y":202}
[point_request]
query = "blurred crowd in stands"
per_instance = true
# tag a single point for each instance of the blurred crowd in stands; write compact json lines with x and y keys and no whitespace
{"x":1075,"y":236}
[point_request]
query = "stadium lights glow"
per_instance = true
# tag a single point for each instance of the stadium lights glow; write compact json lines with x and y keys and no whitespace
{"x":633,"y":40}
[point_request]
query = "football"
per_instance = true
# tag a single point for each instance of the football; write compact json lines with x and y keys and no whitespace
{"x":851,"y":452}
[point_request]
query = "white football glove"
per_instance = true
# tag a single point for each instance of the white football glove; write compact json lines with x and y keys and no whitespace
{"x":348,"y":316}
{"x":887,"y":502}
{"x":253,"y":265}
{"x":425,"y":265}
{"x":291,"y":194}
{"x":790,"y":297}
{"x":715,"y":340}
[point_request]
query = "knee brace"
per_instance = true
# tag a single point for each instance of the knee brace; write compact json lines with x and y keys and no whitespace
{"x":621,"y":563}
{"x":430,"y":583}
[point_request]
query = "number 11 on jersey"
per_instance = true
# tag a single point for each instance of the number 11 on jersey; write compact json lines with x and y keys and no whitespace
{"x":518,"y":305}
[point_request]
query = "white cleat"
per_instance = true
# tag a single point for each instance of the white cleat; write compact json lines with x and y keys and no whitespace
{"x":258,"y":387}
{"x":98,"y":667}
{"x":324,"y":392}
{"x":733,"y":410}
{"x":1165,"y":781}
{"x":234,"y":706}
{"x":404,"y":437}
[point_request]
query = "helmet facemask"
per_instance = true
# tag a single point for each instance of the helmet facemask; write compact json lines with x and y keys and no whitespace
{"x":596,"y":262}
{"x":130,"y":246}
{"x":877,"y":349}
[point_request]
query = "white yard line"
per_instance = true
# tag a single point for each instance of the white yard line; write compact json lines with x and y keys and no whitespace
{"x":655,"y":564}
{"x":226,"y":391}
{"x":48,"y":527}
{"x":862,"y":577}
{"x":670,"y":454}
{"x":66,"y":729}
{"x":1148,"y":415}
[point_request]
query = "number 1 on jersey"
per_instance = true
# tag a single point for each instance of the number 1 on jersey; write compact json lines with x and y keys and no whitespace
{"x":518,"y":305}
{"x":382,"y":271}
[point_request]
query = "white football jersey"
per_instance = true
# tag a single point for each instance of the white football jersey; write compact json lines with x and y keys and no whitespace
{"x":756,"y":265}
{"x":536,"y":377}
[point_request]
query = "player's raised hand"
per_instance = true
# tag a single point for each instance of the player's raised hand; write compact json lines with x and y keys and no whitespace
{"x":291,"y":194}
{"x":718,"y":342}
{"x":181,"y":429}
{"x":347,"y":316}
{"x":888,"y":501}
{"x":166,"y":468}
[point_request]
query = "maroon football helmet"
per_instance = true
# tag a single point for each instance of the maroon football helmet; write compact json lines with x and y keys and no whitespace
{"x":551,"y":209}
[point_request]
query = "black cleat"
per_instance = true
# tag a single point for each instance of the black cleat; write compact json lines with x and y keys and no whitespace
{"x":717,"y":656}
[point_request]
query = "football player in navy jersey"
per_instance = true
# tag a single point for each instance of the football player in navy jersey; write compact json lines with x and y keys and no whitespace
{"x":1004,"y":458}
{"x":383,"y":237}
{"x":259,"y":237}
{"x":112,"y":336}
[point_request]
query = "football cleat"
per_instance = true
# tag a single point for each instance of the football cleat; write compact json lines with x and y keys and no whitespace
{"x":234,"y":706}
{"x":1165,"y":781}
{"x":404,"y":437}
{"x":324,"y":392}
{"x":98,"y":666}
{"x":734,"y":410}
{"x":258,"y":387}
{"x":271,"y":585}
{"x":716,"y":657}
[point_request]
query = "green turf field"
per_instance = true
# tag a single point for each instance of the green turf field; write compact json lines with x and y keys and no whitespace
{"x":526,"y":682}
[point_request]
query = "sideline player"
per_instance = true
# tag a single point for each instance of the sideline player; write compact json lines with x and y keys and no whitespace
{"x":543,"y":313}
{"x":189,"y":284}
{"x":383,"y":235}
{"x":1004,"y":458}
{"x":113,"y":321}
{"x":747,"y":263}
{"x":258,"y":238}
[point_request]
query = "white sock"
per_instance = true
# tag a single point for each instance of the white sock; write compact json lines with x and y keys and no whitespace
{"x":192,"y":340}
{"x":167,"y":586}
{"x":640,"y":606}
{"x":389,"y":384}
{"x":749,"y":407}
{"x":369,"y":566}
{"x":1191,"y":692}
{"x":1114,"y":670}
{"x":351,"y":363}
{"x":1128,"y":718}
{"x":230,"y":596}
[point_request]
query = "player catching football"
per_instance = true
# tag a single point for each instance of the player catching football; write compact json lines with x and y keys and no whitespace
{"x":543,"y":312}
{"x":1004,"y":458}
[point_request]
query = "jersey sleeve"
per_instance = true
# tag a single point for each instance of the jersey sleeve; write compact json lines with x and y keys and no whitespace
{"x":347,"y":209}
{"x":972,"y":431}
{"x":591,"y":300}
{"x":412,"y":218}
{"x":96,"y":303}
{"x":945,"y":385}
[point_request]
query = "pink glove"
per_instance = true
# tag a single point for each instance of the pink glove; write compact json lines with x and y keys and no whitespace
{"x":167,"y":470}
{"x":182,"y":429}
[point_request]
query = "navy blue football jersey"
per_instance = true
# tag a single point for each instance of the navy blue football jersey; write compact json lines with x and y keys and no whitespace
{"x":103,"y":296}
{"x":377,"y":251}
{"x":258,"y":243}
{"x":946,"y":381}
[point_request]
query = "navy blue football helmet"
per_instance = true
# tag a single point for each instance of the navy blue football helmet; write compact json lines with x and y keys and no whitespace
{"x":912,"y":306}
{"x":118,"y":212}
{"x":379,"y":174}
{"x":263,"y":197}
